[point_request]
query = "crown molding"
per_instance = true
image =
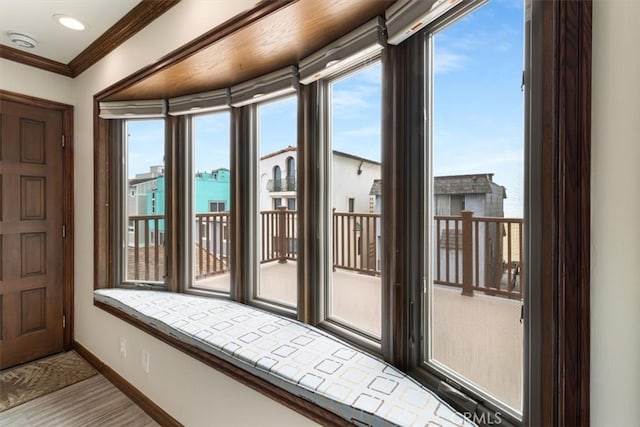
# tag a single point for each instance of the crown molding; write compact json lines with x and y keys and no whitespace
{"x":135,"y":20}
{"x":139,"y":17}
{"x":26,"y":58}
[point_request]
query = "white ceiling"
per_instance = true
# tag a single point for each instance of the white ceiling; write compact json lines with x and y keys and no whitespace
{"x":34,"y":18}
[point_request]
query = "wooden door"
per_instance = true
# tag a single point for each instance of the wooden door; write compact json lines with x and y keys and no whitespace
{"x":31,"y":234}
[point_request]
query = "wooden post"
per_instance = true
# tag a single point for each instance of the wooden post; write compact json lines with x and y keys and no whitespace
{"x":282,"y":235}
{"x":467,"y":253}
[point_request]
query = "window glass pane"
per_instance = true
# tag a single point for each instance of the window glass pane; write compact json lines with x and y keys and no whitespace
{"x":277,"y":240}
{"x":355,"y":201}
{"x":475,"y":296}
{"x":211,"y":201}
{"x":144,"y":259}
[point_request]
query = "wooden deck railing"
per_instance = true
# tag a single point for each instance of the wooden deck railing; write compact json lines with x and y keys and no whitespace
{"x":479,"y":254}
{"x":471,"y":253}
{"x":279,"y":235}
{"x":211,"y":244}
{"x":355,"y":242}
{"x":145,"y":248}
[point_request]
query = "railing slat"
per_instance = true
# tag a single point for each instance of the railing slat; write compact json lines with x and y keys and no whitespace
{"x":500,"y":262}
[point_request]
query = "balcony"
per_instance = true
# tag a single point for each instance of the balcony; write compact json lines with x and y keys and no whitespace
{"x":476,"y":273}
{"x":281,"y":185}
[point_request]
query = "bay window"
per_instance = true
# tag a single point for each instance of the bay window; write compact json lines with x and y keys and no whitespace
{"x":380,"y":190}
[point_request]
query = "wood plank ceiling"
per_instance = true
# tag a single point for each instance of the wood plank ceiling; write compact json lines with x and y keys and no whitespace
{"x":272,"y":36}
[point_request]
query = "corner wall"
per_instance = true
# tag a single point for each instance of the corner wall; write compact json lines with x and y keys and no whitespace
{"x":18,"y":78}
{"x":615,"y":207}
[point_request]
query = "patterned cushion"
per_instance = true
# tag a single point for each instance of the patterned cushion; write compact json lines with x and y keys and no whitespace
{"x":301,"y":359}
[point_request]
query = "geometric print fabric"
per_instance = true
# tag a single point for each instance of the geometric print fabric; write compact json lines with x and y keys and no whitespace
{"x":300,"y":358}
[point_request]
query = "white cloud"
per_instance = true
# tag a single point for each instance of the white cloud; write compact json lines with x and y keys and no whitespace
{"x":446,"y":61}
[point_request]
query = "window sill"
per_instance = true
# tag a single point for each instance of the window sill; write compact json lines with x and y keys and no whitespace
{"x":295,"y":364}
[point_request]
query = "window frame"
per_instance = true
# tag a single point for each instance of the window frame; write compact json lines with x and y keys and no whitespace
{"x":217,"y":203}
{"x":557,"y":347}
{"x":450,"y":385}
{"x":322,"y":164}
{"x":251,"y":288}
{"x":184,"y":143}
{"x":119,"y":215}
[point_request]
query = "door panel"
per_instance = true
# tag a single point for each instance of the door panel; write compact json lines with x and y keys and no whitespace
{"x":31,"y":241}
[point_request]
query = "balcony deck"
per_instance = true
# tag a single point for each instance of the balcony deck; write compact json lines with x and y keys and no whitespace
{"x":480,"y":337}
{"x":476,"y":296}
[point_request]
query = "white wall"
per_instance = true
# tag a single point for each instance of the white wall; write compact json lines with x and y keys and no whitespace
{"x":31,"y":81}
{"x":615,"y":201}
{"x":348,"y":184}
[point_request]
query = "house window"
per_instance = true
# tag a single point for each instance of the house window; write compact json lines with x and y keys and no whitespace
{"x":290,"y":182}
{"x":354,"y":164}
{"x":277,"y":178}
{"x":217,"y":206}
{"x":277,"y":277}
{"x":291,"y":204}
{"x":143,"y":260}
{"x":210,"y":164}
{"x":472,"y":300}
{"x":416,"y":301}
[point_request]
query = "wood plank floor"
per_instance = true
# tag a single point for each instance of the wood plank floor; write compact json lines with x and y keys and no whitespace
{"x":92,"y":402}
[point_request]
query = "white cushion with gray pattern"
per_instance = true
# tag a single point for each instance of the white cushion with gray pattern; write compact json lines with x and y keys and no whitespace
{"x":302,"y":359}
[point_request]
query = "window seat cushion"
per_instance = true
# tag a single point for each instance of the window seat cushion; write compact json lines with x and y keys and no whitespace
{"x":299,"y":358}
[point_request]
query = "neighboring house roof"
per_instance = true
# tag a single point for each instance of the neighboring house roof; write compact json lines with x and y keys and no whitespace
{"x":456,"y":184}
{"x":351,"y":156}
{"x":275,"y":153}
{"x":337,"y":153}
{"x":136,"y":181}
{"x":376,"y":188}
{"x":467,"y":184}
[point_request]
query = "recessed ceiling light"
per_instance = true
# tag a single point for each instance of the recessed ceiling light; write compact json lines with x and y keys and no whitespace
{"x":69,"y":22}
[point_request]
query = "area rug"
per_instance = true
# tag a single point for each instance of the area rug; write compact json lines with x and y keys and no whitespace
{"x":27,"y":382}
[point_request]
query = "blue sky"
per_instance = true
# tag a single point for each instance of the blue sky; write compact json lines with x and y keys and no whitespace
{"x":478,"y":102}
{"x":477,"y":114}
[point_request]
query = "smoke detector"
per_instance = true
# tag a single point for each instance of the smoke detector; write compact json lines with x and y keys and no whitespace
{"x":22,"y":40}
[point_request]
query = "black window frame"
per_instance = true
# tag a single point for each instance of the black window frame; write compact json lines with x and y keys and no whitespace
{"x":217,"y":203}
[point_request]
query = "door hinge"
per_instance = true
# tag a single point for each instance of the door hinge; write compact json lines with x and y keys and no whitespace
{"x":64,"y":321}
{"x":64,"y":231}
{"x":62,"y":141}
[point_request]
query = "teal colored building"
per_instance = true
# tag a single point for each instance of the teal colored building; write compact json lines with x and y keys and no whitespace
{"x":212,"y":193}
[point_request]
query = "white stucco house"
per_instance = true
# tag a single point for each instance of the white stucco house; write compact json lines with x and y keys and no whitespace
{"x":353,"y":177}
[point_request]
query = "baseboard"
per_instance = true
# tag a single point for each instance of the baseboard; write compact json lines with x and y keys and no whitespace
{"x":146,"y":404}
